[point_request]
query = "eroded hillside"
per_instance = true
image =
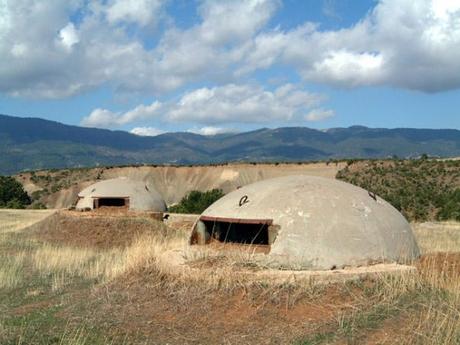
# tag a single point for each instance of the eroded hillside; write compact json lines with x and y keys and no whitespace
{"x":59,"y":188}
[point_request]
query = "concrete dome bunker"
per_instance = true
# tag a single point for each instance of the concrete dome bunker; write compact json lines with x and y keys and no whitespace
{"x":121,"y":192}
{"x":308,"y":222}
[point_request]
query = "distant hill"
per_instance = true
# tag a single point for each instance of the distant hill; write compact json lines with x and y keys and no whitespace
{"x":32,"y":143}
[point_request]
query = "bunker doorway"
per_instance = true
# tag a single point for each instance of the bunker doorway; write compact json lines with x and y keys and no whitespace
{"x":258,"y":232}
{"x":111,"y":202}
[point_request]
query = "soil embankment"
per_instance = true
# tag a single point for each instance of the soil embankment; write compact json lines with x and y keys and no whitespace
{"x":95,"y":230}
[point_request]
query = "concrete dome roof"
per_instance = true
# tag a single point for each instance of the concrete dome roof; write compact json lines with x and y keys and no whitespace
{"x":323,"y":223}
{"x":142,"y":197}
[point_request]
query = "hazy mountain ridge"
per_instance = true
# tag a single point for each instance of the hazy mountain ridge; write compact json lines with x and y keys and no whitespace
{"x":31,"y":143}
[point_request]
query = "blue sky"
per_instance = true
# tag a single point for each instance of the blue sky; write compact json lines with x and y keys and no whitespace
{"x":150,"y":66}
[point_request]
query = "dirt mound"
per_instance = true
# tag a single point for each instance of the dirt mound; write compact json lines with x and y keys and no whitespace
{"x":143,"y":309}
{"x":146,"y":305}
{"x":98,"y":230}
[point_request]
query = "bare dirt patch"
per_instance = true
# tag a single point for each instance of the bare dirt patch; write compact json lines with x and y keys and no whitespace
{"x":31,"y":307}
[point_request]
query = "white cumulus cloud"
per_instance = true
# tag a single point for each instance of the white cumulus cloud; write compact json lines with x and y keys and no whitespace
{"x":211,"y":130}
{"x":242,"y":103}
{"x":68,"y":36}
{"x":231,"y":103}
{"x":399,"y":43}
{"x":319,"y":114}
{"x":101,"y":118}
{"x":106,"y":119}
{"x":146,"y":131}
{"x":142,"y":12}
{"x":407,"y":44}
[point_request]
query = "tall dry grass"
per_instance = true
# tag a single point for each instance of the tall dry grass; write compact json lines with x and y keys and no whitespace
{"x":11,"y":268}
{"x":104,"y":265}
{"x":437,"y":236}
{"x":429,"y":299}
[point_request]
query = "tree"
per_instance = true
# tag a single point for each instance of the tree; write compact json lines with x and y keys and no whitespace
{"x":196,"y":201}
{"x":12,"y":194}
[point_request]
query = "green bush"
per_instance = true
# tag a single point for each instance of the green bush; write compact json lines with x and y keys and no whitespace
{"x":12,"y":194}
{"x":450,"y":209}
{"x":37,"y":194}
{"x":422,"y":189}
{"x":196,"y":201}
{"x":37,"y":205}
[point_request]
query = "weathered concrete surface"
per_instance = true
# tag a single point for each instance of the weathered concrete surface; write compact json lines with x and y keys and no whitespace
{"x":324,"y":223}
{"x":141,"y":196}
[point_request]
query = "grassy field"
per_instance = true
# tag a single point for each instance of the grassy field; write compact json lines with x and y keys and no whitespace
{"x":15,"y":220}
{"x":60,"y":292}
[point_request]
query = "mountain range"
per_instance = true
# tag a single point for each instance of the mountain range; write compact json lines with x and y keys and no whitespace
{"x":33,"y":143}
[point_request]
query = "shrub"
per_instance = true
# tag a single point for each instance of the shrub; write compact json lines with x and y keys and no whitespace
{"x":12,"y":194}
{"x":37,"y":194}
{"x":422,"y":189}
{"x":196,"y":201}
{"x":38,"y":206}
{"x":450,"y":209}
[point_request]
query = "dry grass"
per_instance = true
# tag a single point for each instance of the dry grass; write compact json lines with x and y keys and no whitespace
{"x":225,"y":255}
{"x":65,"y":263}
{"x":104,"y":265}
{"x":16,"y":220}
{"x":11,"y":270}
{"x":436,"y":326}
{"x":405,"y":309}
{"x":437,"y":236}
{"x":428,"y":301}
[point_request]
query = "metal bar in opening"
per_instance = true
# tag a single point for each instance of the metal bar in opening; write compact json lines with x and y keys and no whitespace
{"x":237,"y":220}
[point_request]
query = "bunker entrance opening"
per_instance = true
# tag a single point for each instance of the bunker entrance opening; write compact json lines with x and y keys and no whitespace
{"x":237,"y":232}
{"x":259,"y":232}
{"x":111,"y":202}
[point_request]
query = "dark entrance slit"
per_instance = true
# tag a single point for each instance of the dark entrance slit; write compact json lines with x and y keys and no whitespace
{"x":244,"y":233}
{"x":111,"y":202}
